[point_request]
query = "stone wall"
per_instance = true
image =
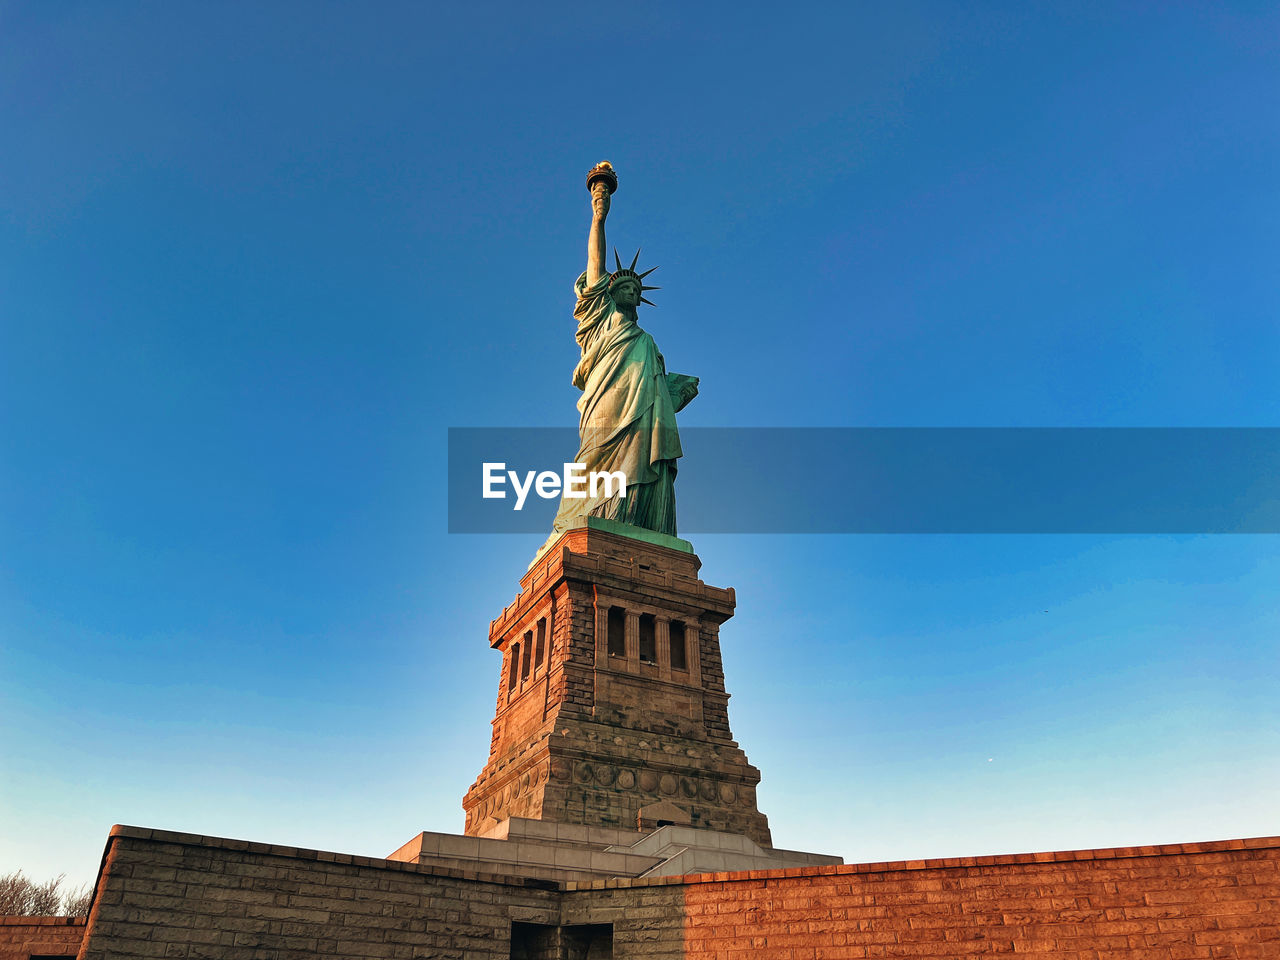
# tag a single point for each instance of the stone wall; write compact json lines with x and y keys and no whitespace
{"x":172,"y":895}
{"x":24,"y":937}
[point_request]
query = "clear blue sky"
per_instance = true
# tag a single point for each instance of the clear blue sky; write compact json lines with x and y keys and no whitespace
{"x":255,"y":259}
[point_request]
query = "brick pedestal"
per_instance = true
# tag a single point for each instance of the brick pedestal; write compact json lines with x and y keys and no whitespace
{"x":611,"y":696}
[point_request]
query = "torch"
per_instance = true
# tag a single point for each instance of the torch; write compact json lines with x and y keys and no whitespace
{"x":602,"y":172}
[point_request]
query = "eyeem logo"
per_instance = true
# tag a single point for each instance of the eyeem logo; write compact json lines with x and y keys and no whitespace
{"x":574,"y":484}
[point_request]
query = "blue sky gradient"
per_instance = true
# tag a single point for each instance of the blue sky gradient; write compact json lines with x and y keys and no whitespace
{"x":256,"y":259}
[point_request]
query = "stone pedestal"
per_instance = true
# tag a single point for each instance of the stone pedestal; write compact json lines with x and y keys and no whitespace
{"x":612,"y":710}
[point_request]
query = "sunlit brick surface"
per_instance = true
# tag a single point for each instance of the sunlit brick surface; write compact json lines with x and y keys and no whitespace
{"x":23,"y":937}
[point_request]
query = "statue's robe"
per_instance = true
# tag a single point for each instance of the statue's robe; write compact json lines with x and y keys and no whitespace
{"x":627,"y":415}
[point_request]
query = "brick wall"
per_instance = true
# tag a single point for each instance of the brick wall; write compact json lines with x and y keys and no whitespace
{"x":1178,"y":902}
{"x":23,"y":937}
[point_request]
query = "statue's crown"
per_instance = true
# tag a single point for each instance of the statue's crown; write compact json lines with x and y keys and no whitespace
{"x":630,"y":273}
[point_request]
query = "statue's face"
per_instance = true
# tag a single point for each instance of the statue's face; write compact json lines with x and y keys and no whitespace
{"x":626,"y":293}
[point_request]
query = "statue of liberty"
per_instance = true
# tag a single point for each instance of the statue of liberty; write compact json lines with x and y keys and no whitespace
{"x":627,"y":412}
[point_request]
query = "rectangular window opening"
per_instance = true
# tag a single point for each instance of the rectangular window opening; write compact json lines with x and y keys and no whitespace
{"x":515,"y":667}
{"x":540,"y":651}
{"x":617,"y":632}
{"x":648,"y":639}
{"x":528,"y":653}
{"x":679,"y":651}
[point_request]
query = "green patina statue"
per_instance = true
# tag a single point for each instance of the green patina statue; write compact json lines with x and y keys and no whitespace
{"x":627,"y":412}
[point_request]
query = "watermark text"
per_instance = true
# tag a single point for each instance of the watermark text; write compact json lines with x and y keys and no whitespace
{"x":573,"y":483}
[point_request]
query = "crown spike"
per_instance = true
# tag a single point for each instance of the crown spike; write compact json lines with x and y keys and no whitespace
{"x":643,"y":287}
{"x":635,"y":259}
{"x":647,"y":272}
{"x":617,"y":259}
{"x":648,"y":301}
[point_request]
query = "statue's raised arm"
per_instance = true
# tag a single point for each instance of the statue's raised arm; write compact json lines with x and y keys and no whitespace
{"x":602,"y":182}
